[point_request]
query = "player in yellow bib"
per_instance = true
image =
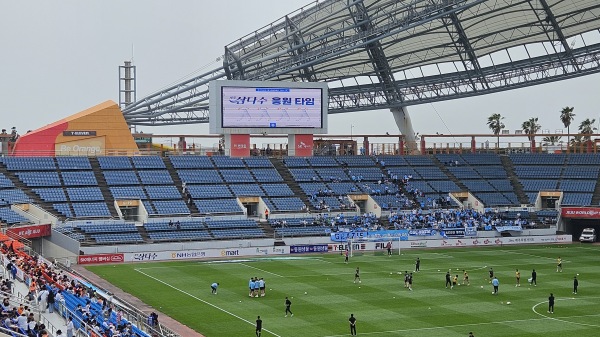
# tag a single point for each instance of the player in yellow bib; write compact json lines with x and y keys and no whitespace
{"x":559,"y":265}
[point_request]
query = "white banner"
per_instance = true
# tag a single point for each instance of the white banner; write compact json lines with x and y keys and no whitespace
{"x":206,"y":253}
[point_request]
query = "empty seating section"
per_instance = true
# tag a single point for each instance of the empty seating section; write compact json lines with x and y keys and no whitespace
{"x":155,"y":177}
{"x":5,"y":182}
{"x":11,"y":217}
{"x":277,"y":190}
{"x":148,"y":162}
{"x":171,"y":224}
{"x":73,"y":163}
{"x":29,"y":163}
{"x":478,"y":185}
{"x":422,"y":186}
{"x":224,"y":224}
{"x":463,"y":172}
{"x":539,"y":185}
{"x":537,"y":159}
{"x":249,"y":190}
{"x":501,"y":185}
{"x":295,"y":162}
{"x":311,"y":189}
{"x":418,"y":161}
{"x":537,"y":172}
{"x":267,"y":175}
{"x":218,"y":206}
{"x":451,"y":160}
{"x":209,"y":191}
{"x":322,"y":162}
{"x":179,"y":235}
{"x":200,"y":176}
{"x":365,"y":173}
{"x":85,"y":194}
{"x":576,"y":199}
{"x":393,"y":160}
{"x":228,"y":162}
{"x":444,"y":186}
{"x":163,"y":192}
{"x":129,"y":192}
{"x":91,"y":209}
{"x":108,"y":228}
{"x":332,"y":174}
{"x":238,"y":233}
{"x":581,"y":172}
{"x":79,"y":178}
{"x":578,"y":185}
{"x":430,"y":173}
{"x":495,"y":199}
{"x":532,"y":197}
{"x":237,"y":176}
{"x":42,"y":179}
{"x":491,"y":172}
{"x":287,"y":204}
{"x":117,"y":238}
{"x":63,"y":209}
{"x":115,"y":163}
{"x":342,"y":188}
{"x":481,"y":159}
{"x":583,"y":159}
{"x":356,"y":161}
{"x":120,"y":178}
{"x":171,"y":207}
{"x":304,"y":174}
{"x":191,"y":162}
{"x":12,"y":196}
{"x":149,"y":208}
{"x":258,"y":162}
{"x":51,"y":194}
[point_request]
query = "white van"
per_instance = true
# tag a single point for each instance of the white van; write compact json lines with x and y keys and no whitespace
{"x":588,"y":235}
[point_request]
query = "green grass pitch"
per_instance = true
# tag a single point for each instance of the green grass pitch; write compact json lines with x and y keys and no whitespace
{"x":381,"y":304}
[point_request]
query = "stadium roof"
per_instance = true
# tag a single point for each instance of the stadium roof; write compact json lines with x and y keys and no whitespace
{"x":389,"y":53}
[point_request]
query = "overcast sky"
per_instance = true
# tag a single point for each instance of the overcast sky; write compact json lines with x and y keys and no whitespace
{"x":60,"y":57}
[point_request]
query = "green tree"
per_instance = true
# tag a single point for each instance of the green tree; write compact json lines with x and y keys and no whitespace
{"x":495,"y":124}
{"x":551,"y":140}
{"x":531,"y":127}
{"x":566,"y":117}
{"x":587,"y":128}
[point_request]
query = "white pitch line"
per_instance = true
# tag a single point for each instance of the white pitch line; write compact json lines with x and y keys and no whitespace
{"x":563,"y":320}
{"x":264,"y":271}
{"x":203,"y":301}
{"x":536,"y":256}
{"x":443,"y":327}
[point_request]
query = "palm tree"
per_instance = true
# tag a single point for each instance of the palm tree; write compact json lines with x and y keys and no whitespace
{"x":551,"y":140}
{"x":495,"y":124}
{"x":531,"y":127}
{"x":587,"y":128}
{"x":566,"y":117}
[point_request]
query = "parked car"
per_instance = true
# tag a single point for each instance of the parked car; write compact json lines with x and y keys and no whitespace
{"x":588,"y":235}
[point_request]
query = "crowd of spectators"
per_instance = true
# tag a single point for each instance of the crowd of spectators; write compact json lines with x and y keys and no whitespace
{"x":455,"y":218}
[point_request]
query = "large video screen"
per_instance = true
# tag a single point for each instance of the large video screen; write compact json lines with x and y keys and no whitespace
{"x":271,"y":107}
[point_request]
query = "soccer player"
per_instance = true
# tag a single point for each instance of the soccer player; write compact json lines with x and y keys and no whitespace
{"x":346,"y":256}
{"x":357,"y":275}
{"x":534,"y":278}
{"x":261,"y":286}
{"x":454,"y":281}
{"x":491,"y":272}
{"x":256,"y":291}
{"x":258,"y":326}
{"x":559,"y":265}
{"x":551,"y":304}
{"x":417,"y":265}
{"x":288,"y":304}
{"x":352,"y":321}
{"x":575,"y":285}
{"x":471,"y":334}
{"x":410,"y":282}
{"x":389,"y":248}
{"x":448,"y":281}
{"x":213,"y":288}
{"x":405,"y":279}
{"x":466,"y":278}
{"x":518,"y":276}
{"x":495,"y":283}
{"x":251,"y":286}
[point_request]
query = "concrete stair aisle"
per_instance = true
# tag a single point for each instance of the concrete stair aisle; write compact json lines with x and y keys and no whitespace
{"x":64,"y":188}
{"x":447,"y":172}
{"x":179,"y":184}
{"x":514,"y":180}
{"x":290,"y":181}
{"x":108,"y":198}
